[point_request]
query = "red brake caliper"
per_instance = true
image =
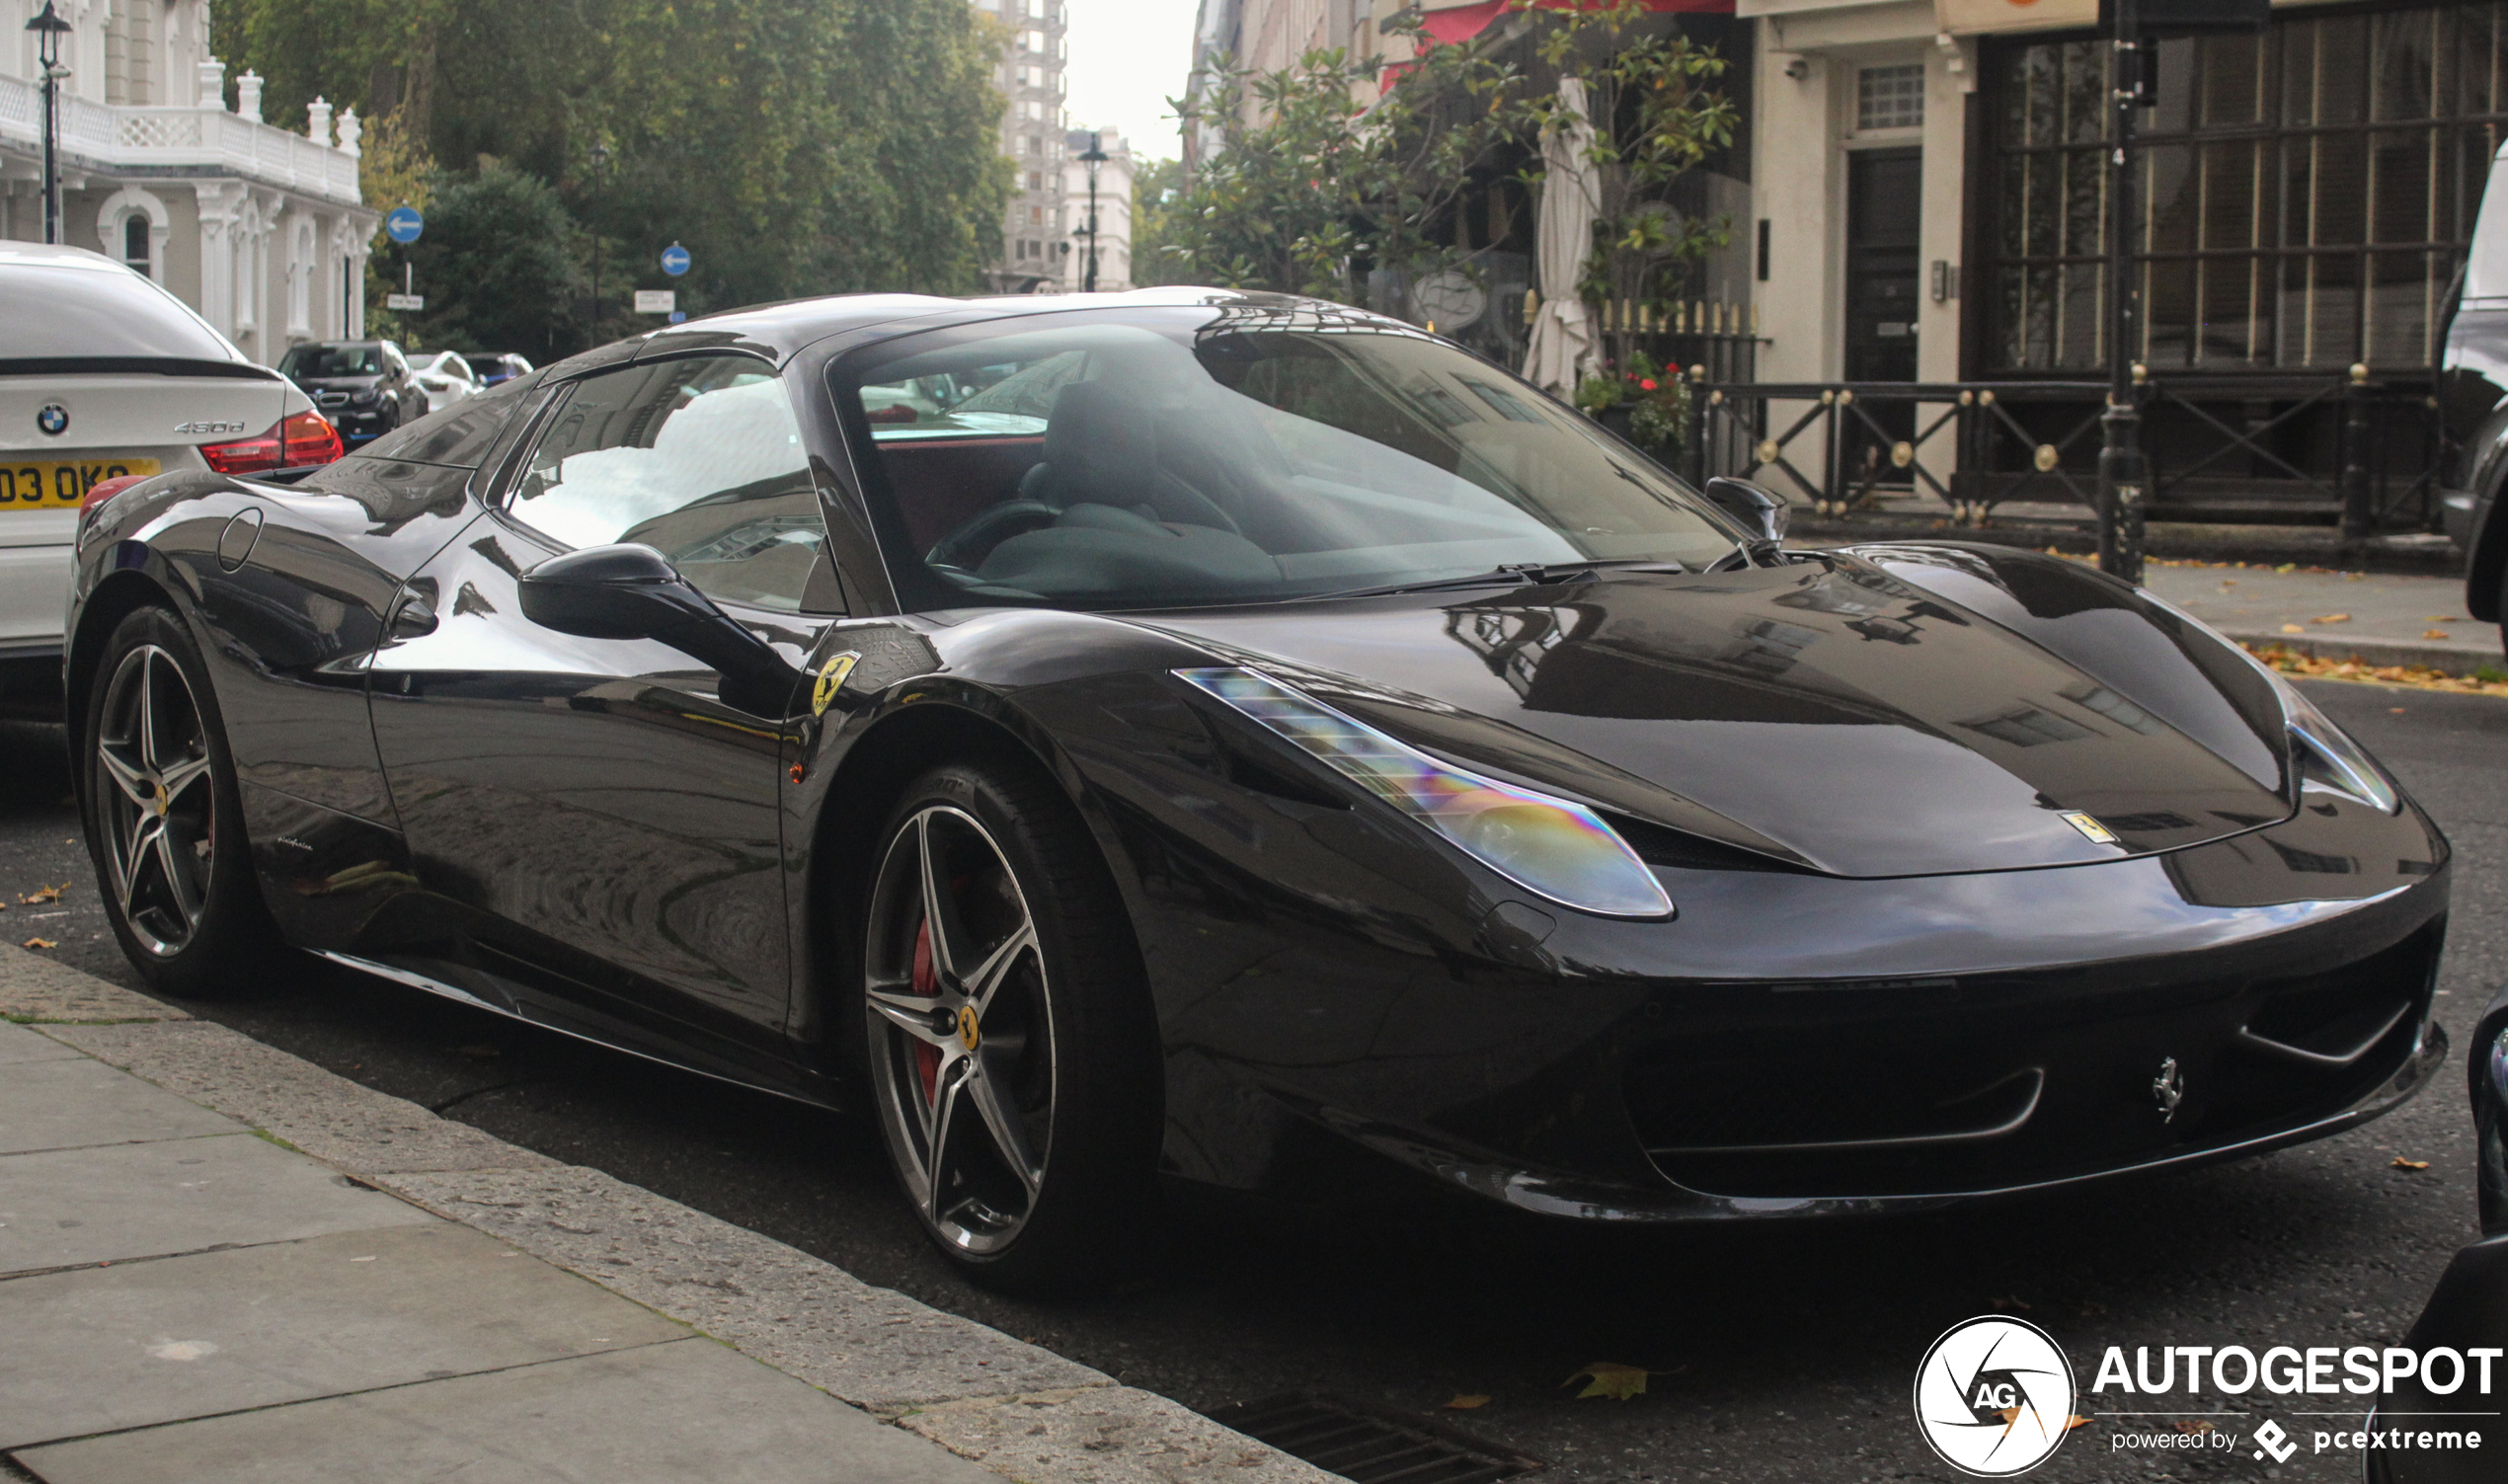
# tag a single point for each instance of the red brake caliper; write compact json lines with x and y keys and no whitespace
{"x":927,"y":981}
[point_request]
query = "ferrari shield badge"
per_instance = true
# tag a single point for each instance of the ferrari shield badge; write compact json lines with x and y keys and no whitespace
{"x":831,"y":676}
{"x":2091,"y":829}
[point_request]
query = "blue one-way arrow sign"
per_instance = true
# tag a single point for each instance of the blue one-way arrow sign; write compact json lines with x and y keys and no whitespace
{"x":675,"y":259}
{"x":404,"y":225}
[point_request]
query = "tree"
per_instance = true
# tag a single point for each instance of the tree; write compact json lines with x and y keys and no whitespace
{"x":504,"y":256}
{"x":793,"y":146}
{"x":1157,"y":193}
{"x":1314,"y":190}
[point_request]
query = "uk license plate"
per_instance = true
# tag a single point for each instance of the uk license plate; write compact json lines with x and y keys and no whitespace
{"x":60,"y":484}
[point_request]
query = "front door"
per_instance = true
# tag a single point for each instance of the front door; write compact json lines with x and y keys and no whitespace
{"x":1883,"y":215}
{"x":603,"y":816}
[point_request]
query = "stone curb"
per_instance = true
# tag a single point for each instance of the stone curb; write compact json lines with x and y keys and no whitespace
{"x":34,"y":987}
{"x":999,"y":1401}
{"x":2449,"y":659}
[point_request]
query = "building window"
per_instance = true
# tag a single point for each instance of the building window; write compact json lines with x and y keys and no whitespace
{"x":135,"y":245}
{"x":1890,"y":96}
{"x":1035,"y":41}
{"x":2306,"y":196}
{"x":1036,"y":217}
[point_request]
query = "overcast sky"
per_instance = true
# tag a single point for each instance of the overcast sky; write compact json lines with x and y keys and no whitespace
{"x":1128,"y":58}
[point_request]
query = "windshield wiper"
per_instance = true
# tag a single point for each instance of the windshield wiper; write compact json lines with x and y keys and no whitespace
{"x":1528,"y":574}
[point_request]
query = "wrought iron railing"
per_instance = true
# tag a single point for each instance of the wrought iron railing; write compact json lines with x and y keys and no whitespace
{"x":2350,"y":449}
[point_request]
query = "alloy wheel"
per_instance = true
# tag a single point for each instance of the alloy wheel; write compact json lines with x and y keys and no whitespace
{"x":156,"y":800}
{"x":957,"y":999}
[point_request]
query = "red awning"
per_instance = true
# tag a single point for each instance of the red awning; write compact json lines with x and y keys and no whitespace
{"x":1464,"y":22}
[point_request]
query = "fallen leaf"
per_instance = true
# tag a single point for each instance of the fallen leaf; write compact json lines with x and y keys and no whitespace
{"x":40,"y":943}
{"x":2394,"y":711}
{"x":2293,"y":628}
{"x":2436,"y":634}
{"x":1608,"y":1378}
{"x":2286,"y":567}
{"x":2445,"y":618}
{"x":2072,"y":1422}
{"x":2331,"y":618}
{"x":42,"y":894}
{"x":1465,"y":1403}
{"x":2192,"y":1424}
{"x":2402,"y":1163}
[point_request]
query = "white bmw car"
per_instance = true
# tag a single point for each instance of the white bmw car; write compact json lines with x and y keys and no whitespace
{"x":103,"y":375}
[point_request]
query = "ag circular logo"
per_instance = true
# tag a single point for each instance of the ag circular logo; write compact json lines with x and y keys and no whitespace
{"x":1995,"y":1396}
{"x":52,"y":419}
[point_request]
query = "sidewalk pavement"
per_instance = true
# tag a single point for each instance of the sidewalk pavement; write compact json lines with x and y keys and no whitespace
{"x":219,"y":1263}
{"x":2381,"y":619}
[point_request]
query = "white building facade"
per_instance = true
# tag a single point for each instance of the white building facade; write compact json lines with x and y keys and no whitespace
{"x":168,"y":167}
{"x":1931,"y":193}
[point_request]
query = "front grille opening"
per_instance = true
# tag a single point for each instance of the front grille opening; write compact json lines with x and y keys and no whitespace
{"x":1368,"y":1447}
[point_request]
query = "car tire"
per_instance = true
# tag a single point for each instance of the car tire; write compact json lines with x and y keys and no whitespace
{"x":1012,"y":1056}
{"x":164,"y":817}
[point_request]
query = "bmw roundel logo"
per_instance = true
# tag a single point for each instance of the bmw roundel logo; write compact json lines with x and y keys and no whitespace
{"x":54,"y":420}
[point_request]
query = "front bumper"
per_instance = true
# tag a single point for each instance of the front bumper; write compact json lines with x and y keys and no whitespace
{"x":1802,"y":1046}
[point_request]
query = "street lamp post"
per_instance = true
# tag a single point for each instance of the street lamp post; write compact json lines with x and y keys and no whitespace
{"x":48,"y":29}
{"x":1094,"y":157}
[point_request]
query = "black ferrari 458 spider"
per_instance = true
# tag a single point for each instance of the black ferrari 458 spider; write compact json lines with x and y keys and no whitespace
{"x":1201,"y":738}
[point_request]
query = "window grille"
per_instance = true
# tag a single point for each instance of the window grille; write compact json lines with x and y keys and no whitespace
{"x":1890,"y":96}
{"x":2306,"y":196}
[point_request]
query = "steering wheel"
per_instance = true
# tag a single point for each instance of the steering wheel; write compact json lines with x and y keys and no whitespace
{"x":975,"y":537}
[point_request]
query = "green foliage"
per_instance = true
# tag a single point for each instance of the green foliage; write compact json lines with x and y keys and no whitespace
{"x":1304,"y":190}
{"x":793,"y":146}
{"x":1157,"y":194}
{"x":502,"y":257}
{"x":1657,"y":399}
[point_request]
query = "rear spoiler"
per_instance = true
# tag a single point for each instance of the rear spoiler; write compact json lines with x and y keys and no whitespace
{"x":142,"y":365}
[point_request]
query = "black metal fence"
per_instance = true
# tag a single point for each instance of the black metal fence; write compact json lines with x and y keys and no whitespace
{"x":2335,"y":449}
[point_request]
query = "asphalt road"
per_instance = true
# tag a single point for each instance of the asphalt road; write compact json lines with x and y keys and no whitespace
{"x":1779,"y":1353}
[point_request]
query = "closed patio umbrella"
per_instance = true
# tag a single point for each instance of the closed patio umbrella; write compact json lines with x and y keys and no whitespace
{"x":1571,"y":200}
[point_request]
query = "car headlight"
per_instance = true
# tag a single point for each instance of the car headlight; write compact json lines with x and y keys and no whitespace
{"x":1552,"y":847}
{"x":2325,"y":756}
{"x":363,"y":399}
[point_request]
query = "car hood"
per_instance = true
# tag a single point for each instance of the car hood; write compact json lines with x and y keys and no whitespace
{"x":338,"y":383}
{"x":1883,"y":711}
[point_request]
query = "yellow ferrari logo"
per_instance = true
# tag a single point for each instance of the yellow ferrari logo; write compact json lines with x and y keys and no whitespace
{"x":2097,"y":834}
{"x":968,"y":1035}
{"x":831,"y":676}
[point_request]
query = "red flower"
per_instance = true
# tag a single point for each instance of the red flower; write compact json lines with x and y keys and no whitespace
{"x":1646,"y":385}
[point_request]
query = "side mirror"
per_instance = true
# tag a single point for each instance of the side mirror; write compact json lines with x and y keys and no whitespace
{"x":632,"y":592}
{"x":1755,"y":506}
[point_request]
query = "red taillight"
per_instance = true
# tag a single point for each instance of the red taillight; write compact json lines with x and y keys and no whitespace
{"x":106,"y":489}
{"x":293,"y":441}
{"x":308,"y":438}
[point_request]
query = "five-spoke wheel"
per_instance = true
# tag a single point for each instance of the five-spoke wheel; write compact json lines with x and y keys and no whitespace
{"x":164,"y":816}
{"x":159,"y":812}
{"x":1013,"y":1055}
{"x":961,"y":1030}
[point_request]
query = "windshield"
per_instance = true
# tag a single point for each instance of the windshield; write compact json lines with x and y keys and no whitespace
{"x":318,"y":363}
{"x":1176,"y":456}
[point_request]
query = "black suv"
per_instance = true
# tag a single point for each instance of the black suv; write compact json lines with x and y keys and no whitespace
{"x":363,"y":386}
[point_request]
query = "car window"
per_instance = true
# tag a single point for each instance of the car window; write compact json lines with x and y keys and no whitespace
{"x":458,"y":367}
{"x":1172,"y":455}
{"x":100,"y":311}
{"x":700,"y":459}
{"x":322,"y":362}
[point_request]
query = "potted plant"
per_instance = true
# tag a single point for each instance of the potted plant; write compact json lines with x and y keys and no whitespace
{"x":1642,"y":402}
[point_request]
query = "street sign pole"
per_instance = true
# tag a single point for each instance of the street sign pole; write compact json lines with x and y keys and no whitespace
{"x":2123,"y":490}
